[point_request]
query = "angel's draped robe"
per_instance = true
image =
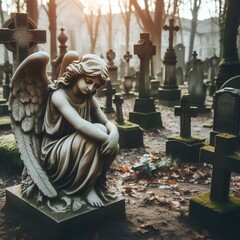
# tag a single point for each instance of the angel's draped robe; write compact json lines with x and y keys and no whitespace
{"x":71,"y":161}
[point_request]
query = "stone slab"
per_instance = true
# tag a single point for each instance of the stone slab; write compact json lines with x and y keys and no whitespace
{"x":60,"y":224}
{"x":130,"y":136}
{"x":185,"y":149}
{"x":219,"y":218}
{"x":147,"y":121}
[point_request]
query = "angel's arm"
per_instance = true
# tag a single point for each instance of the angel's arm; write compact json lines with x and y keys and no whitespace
{"x":111,"y":144}
{"x":86,"y":128}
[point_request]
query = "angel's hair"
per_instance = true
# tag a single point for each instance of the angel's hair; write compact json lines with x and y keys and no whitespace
{"x":89,"y":65}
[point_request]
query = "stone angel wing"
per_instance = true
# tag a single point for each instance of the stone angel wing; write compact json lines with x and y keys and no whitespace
{"x":27,"y":104}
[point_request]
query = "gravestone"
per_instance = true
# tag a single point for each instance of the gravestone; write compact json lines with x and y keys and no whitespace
{"x":214,"y":61}
{"x":180,"y":76}
{"x":184,"y":147}
{"x":197,"y":88}
{"x":112,"y":69}
{"x":56,"y":63}
{"x":19,"y":35}
{"x":109,"y":92}
{"x":217,"y":211}
{"x":136,"y":77}
{"x":130,"y":134}
{"x":128,"y":78}
{"x":180,"y":54}
{"x":121,"y":69}
{"x":169,"y":93}
{"x":145,"y":113}
{"x":226,"y":112}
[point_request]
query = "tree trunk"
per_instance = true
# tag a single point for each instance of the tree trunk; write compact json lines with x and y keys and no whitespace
{"x":32,"y":9}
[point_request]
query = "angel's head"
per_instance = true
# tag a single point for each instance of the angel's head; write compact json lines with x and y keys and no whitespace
{"x":89,"y":66}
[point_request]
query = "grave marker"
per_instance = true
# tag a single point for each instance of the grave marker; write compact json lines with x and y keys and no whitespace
{"x":19,"y":35}
{"x":109,"y":92}
{"x":169,"y":93}
{"x":144,"y":109}
{"x":130,"y":134}
{"x":184,"y":147}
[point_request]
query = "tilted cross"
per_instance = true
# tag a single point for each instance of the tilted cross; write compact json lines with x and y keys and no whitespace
{"x":19,"y":34}
{"x":118,"y":100}
{"x":185,"y":112}
{"x":171,"y":29}
{"x":145,"y":50}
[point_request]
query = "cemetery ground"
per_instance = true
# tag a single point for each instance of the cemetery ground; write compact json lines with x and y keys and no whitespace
{"x":156,"y":200}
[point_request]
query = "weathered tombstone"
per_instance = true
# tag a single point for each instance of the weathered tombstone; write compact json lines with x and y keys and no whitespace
{"x":169,"y":93}
{"x":217,"y":211}
{"x":113,"y":70}
{"x":226,"y":112}
{"x":180,"y":54}
{"x":128,"y":78}
{"x":190,"y":65}
{"x":109,"y":92}
{"x":179,"y":76}
{"x":197,"y":88}
{"x":184,"y":147}
{"x":145,"y":113}
{"x":20,"y":34}
{"x":130,"y":134}
{"x":214,"y":61}
{"x":56,"y":63}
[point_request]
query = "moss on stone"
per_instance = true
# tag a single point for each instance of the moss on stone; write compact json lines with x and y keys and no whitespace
{"x":10,"y":157}
{"x":127,"y":125}
{"x":204,"y":199}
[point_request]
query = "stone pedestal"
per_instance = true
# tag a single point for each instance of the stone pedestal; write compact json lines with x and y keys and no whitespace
{"x":169,"y":97}
{"x":57,"y":225}
{"x":220,"y":219}
{"x":185,"y":149}
{"x":145,"y":114}
{"x":130,"y":135}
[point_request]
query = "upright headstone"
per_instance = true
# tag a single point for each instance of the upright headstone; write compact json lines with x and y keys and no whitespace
{"x":197,"y":88}
{"x":145,"y":113}
{"x":180,"y":54}
{"x":113,"y":69}
{"x":56,"y":63}
{"x":20,"y":34}
{"x":169,"y":93}
{"x":130,"y":134}
{"x":214,"y":61}
{"x":184,"y":147}
{"x":128,"y":78}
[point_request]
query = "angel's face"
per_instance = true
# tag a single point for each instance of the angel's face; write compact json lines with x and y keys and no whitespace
{"x":87,"y":85}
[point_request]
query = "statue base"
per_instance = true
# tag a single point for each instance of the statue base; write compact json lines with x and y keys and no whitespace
{"x":62,"y":224}
{"x":219,"y":218}
{"x":169,"y":97}
{"x":130,"y":135}
{"x":185,"y":149}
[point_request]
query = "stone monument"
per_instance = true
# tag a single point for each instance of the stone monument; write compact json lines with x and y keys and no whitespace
{"x":169,"y":93}
{"x":63,"y":188}
{"x":184,"y":147}
{"x":145,"y":114}
{"x":130,"y":134}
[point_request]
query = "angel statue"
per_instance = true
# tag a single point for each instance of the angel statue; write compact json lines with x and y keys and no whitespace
{"x":66,"y":142}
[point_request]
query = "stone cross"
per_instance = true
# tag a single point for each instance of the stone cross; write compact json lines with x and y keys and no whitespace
{"x":171,"y":29}
{"x":109,"y":92}
{"x":127,"y":58}
{"x":185,"y":112}
{"x":145,"y":50}
{"x":19,"y":34}
{"x":118,"y":100}
{"x":225,"y":159}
